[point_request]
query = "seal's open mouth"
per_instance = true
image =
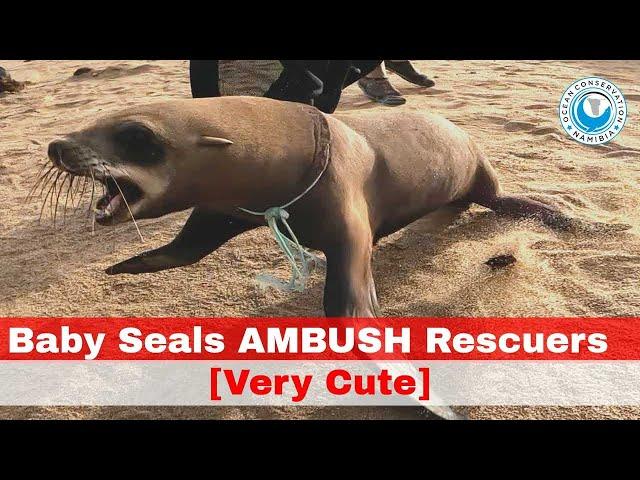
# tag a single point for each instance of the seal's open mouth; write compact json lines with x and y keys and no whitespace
{"x":121,"y":197}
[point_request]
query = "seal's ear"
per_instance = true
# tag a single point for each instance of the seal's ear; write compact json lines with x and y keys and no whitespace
{"x":214,"y":141}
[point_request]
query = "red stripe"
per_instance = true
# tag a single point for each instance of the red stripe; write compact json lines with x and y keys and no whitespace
{"x":622,"y":337}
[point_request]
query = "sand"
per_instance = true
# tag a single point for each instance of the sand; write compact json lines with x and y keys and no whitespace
{"x":434,"y":267}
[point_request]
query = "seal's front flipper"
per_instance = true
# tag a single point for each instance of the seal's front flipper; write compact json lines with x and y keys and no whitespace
{"x":349,"y":287}
{"x":148,"y":262}
{"x":203,"y":233}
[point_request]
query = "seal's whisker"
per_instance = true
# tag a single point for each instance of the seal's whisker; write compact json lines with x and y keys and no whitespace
{"x":47,"y":179}
{"x":55,"y":210}
{"x":70,"y":189}
{"x":123,"y":170}
{"x":81,"y":196}
{"x":42,"y":167}
{"x":82,"y":188}
{"x":93,"y":217}
{"x":93,"y":190}
{"x":53,"y":194}
{"x":46,"y":186}
{"x":104,"y":188}
{"x":39,"y":176}
{"x":54,"y":181}
{"x":44,"y":203}
{"x":74,"y":194}
{"x":125,"y":202}
{"x":66,"y":198}
{"x":33,"y":189}
{"x":76,"y":189}
{"x":37,"y":183}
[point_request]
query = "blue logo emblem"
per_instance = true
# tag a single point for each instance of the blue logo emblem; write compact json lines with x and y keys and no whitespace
{"x":592,"y":111}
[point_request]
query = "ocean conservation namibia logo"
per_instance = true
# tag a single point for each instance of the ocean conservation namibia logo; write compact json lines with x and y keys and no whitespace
{"x":592,"y":110}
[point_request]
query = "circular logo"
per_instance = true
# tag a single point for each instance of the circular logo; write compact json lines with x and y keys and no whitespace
{"x":592,"y":110}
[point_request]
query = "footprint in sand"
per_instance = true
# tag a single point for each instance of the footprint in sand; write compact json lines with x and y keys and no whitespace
{"x":528,"y":155}
{"x":615,"y":148}
{"x":531,"y":84}
{"x":484,"y":95}
{"x":574,"y":199}
{"x":458,"y":104}
{"x":495,"y":119}
{"x":493,"y":85}
{"x":519,"y":126}
{"x":73,"y":103}
{"x":537,"y":106}
{"x":544,"y":131}
{"x":514,"y":126}
{"x":622,"y":153}
{"x":116,"y":89}
{"x":555,"y":137}
{"x":614,"y":78}
{"x":613,"y":268}
{"x":429,"y":91}
{"x":112,"y":72}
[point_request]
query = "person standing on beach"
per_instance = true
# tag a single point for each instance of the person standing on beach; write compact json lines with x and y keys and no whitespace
{"x":314,"y":82}
{"x":377,"y":87}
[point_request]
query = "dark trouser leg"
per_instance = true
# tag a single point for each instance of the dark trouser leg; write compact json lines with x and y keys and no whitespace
{"x":203,"y":75}
{"x":365,"y":67}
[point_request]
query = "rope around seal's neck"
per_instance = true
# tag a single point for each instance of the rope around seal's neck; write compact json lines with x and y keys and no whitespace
{"x":308,"y":260}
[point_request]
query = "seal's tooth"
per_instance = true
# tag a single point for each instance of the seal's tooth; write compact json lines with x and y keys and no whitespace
{"x":114,"y":204}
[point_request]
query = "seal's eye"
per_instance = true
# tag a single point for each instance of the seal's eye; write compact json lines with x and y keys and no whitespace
{"x":136,"y":143}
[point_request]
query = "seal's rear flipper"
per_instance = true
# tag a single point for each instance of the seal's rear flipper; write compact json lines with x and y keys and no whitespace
{"x":583,"y":226}
{"x":487,"y":192}
{"x":524,"y":207}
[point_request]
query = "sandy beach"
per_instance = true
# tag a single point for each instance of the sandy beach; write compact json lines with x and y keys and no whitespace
{"x":430,"y":268}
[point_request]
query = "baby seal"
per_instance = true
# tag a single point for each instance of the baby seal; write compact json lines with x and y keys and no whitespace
{"x":376,"y":172}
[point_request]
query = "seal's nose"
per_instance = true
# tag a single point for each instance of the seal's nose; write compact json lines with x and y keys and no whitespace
{"x":57,"y":149}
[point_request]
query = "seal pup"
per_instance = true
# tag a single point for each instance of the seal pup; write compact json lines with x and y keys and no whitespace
{"x":376,"y":172}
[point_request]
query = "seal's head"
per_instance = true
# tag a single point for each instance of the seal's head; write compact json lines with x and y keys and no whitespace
{"x":135,"y":155}
{"x":215,"y":153}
